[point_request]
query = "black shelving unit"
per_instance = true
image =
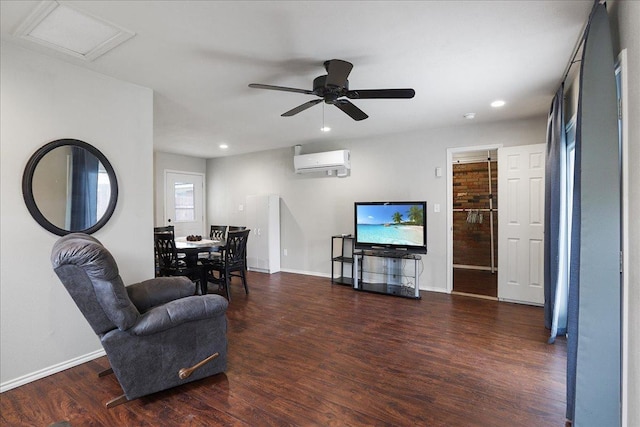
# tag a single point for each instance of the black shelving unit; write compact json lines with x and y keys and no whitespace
{"x":342,"y":253}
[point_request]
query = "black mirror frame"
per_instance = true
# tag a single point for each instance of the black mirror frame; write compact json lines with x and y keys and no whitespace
{"x":27,"y":186}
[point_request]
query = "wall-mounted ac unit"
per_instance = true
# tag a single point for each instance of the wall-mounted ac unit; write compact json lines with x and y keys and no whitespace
{"x":339,"y":160}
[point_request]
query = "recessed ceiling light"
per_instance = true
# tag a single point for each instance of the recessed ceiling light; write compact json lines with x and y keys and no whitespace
{"x":470,"y":116}
{"x":498,"y":103}
{"x":71,"y":31}
{"x":223,"y":146}
{"x":325,"y":128}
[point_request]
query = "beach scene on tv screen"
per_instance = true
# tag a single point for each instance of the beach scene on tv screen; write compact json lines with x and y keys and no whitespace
{"x":390,"y":224}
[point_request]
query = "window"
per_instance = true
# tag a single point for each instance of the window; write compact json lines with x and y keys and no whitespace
{"x":185,"y":201}
{"x":569,"y":171}
{"x":104,"y":192}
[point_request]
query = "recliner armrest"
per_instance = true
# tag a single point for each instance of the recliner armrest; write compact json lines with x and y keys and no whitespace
{"x":160,"y":290}
{"x":176,"y":312}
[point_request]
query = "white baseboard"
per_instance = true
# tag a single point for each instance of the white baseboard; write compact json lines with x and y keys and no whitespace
{"x":306,"y":273}
{"x":466,"y":294}
{"x":54,"y":369}
{"x":432,"y":289}
{"x":515,"y":301}
{"x":474,"y":267}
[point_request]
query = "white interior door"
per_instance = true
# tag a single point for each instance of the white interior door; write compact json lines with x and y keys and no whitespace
{"x":521,"y":223}
{"x":184,"y":203}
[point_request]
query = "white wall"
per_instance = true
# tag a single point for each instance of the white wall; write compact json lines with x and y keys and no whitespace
{"x":43,"y":99}
{"x":625,"y":16}
{"x":175,"y":162}
{"x":314,"y":207}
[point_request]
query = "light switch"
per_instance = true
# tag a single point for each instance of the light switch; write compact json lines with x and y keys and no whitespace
{"x":436,"y":207}
{"x":240,"y":208}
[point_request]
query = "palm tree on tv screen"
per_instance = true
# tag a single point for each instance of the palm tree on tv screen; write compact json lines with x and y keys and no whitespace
{"x":415,"y":215}
{"x":397,"y":217}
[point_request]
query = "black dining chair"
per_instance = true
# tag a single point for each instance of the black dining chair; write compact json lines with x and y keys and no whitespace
{"x":232,"y":263}
{"x":168,"y":262}
{"x":218,"y":232}
{"x":240,"y":228}
{"x":170,"y":229}
{"x":167,"y":229}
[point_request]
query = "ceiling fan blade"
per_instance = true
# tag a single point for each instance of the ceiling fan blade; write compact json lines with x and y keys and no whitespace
{"x":354,"y":112}
{"x":337,"y":72}
{"x":381,"y":93}
{"x":302,"y":107}
{"x":286,"y":89}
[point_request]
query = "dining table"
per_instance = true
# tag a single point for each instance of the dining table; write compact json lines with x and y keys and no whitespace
{"x":192,"y":249}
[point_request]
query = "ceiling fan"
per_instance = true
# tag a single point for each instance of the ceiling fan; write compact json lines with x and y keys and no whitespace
{"x":332,"y":87}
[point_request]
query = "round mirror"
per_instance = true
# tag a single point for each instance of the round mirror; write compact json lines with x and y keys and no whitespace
{"x":69,"y":186}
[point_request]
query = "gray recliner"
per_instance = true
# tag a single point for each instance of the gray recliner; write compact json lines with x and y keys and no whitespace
{"x":157,"y":334}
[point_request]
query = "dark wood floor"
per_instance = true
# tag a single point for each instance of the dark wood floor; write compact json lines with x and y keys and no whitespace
{"x":476,"y":282}
{"x":303,"y":352}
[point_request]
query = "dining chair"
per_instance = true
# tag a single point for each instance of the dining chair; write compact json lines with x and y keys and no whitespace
{"x":240,"y":228}
{"x":218,"y":232}
{"x":232,"y":263}
{"x":166,"y":229}
{"x":168,"y":262}
{"x":169,"y":229}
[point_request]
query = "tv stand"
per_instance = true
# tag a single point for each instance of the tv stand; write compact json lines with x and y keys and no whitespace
{"x":387,"y":272}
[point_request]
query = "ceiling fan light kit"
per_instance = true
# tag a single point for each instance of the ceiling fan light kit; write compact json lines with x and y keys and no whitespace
{"x":333,"y":87}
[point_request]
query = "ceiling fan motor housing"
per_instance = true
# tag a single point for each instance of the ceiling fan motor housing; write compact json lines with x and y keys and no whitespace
{"x":329,"y":93}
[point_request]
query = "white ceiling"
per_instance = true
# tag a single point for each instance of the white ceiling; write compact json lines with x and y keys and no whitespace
{"x":199,"y":57}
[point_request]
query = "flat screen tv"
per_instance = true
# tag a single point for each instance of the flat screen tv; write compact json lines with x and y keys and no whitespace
{"x":391,"y":226}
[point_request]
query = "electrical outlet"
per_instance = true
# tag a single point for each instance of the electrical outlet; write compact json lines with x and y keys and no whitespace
{"x":436,"y":207}
{"x":285,"y":252}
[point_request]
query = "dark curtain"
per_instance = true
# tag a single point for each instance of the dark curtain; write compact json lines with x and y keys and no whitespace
{"x":593,"y":352}
{"x":84,"y":189}
{"x":555,"y":296}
